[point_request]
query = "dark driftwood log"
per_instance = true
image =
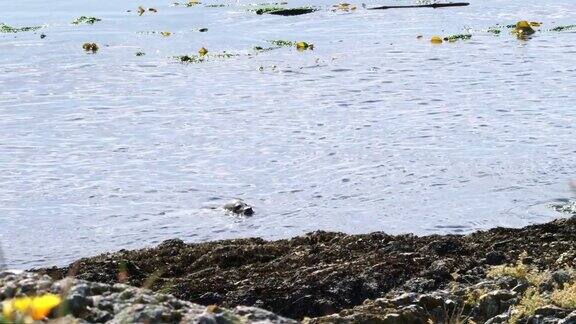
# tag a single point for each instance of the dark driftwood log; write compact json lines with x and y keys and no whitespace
{"x":433,"y":5}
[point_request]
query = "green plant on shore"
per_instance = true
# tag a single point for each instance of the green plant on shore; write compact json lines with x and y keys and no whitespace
{"x":472,"y":296}
{"x":528,"y":304}
{"x":519,"y":271}
{"x":566,"y":296}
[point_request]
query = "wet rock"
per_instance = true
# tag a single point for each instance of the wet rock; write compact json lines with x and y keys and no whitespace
{"x":499,"y":319}
{"x":495,"y":303}
{"x":520,"y":288}
{"x":430,"y":302}
{"x":495,"y":258}
{"x":551,"y":311}
{"x":404,"y":299}
{"x":419,"y":285}
{"x":561,"y":277}
{"x":571,"y":318}
{"x":77,"y":304}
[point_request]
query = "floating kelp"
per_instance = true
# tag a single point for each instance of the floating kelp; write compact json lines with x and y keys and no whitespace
{"x":532,"y":24}
{"x":203,"y":58}
{"x":153,"y":32}
{"x":281,"y":43}
{"x":265,"y":49}
{"x":431,"y":5}
{"x":192,"y":3}
{"x":302,"y":46}
{"x":90,"y":48}
{"x":494,"y":30}
{"x":563,"y":28}
{"x":142,"y":10}
{"x":86,"y":20}
{"x":261,"y":11}
{"x":285,"y":12}
{"x":523,"y":29}
{"x":9,"y":29}
{"x":202,"y":51}
{"x":436,"y":40}
{"x":454,"y":38}
{"x":343,"y":7}
{"x":278,"y":43}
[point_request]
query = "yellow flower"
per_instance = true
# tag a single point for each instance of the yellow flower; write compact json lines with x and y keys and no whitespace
{"x":36,"y":307}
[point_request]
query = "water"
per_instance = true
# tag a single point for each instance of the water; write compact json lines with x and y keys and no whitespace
{"x":374,"y":130}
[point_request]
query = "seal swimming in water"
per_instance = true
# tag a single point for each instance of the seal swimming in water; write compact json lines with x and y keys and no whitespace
{"x":239,"y":207}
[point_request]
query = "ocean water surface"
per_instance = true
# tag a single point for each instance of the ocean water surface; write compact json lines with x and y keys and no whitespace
{"x":373,"y":130}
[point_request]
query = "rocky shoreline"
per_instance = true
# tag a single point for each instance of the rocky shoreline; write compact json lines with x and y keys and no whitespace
{"x":498,"y":276}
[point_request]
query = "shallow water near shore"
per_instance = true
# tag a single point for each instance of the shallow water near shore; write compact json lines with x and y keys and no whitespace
{"x":373,"y":130}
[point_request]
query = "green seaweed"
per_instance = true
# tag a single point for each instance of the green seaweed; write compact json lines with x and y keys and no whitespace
{"x":86,"y":20}
{"x":563,"y":28}
{"x":264,"y":10}
{"x":281,"y":43}
{"x":9,"y":29}
{"x":494,"y":30}
{"x":195,"y":58}
{"x":454,"y":38}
